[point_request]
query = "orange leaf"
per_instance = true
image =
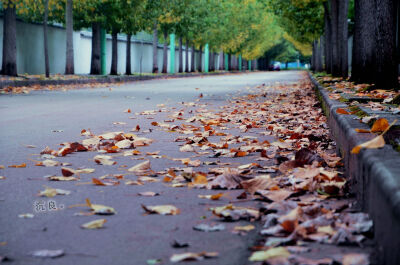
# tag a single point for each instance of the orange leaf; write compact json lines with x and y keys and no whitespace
{"x":167,"y":179}
{"x":362,"y":130}
{"x":18,"y":166}
{"x":154,"y":123}
{"x":98,"y":182}
{"x":342,"y":111}
{"x":241,"y":154}
{"x":207,"y":128}
{"x":216,"y":196}
{"x":200,"y":179}
{"x":380,"y":125}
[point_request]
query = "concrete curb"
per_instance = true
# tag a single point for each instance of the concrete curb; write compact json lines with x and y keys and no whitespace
{"x":374,"y":175}
{"x":103,"y":79}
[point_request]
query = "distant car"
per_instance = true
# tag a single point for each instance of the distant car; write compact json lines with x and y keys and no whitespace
{"x":277,"y":67}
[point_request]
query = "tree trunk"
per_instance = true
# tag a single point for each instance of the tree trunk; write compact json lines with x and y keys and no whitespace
{"x":114,"y":54}
{"x":69,"y":65}
{"x":155,"y":48}
{"x":328,"y":39}
{"x":363,"y":59}
{"x":336,"y":62}
{"x":192,"y":65}
{"x":165,"y":53}
{"x":313,"y":56}
{"x":211,"y":62}
{"x":229,"y":62}
{"x":318,"y":59}
{"x":46,"y":47}
{"x":386,"y":63}
{"x":200,"y":66}
{"x":180,"y":69}
{"x":95,"y":66}
{"x":128,"y":70}
{"x":245,"y":65}
{"x":343,"y":37}
{"x":187,"y":56}
{"x":221,"y":60}
{"x":9,"y":64}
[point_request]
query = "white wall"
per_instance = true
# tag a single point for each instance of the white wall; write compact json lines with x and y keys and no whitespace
{"x":30,"y":51}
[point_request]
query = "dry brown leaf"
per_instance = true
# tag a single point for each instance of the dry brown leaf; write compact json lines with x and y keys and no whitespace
{"x":380,"y":125}
{"x":211,"y":197}
{"x":342,"y":111}
{"x":230,"y":179}
{"x":258,"y":183}
{"x":187,"y":148}
{"x":100,"y":209}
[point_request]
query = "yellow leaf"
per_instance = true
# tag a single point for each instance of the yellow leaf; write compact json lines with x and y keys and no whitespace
{"x":162,"y":209}
{"x":94,"y":224}
{"x":377,"y":142}
{"x":100,"y":209}
{"x":245,"y":228}
{"x":270,"y":253}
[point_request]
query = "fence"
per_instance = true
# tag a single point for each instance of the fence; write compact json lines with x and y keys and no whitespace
{"x":30,"y":50}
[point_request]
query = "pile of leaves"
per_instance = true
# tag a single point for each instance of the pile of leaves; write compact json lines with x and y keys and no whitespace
{"x":294,"y":175}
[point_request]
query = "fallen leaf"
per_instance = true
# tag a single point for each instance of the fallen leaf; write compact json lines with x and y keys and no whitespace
{"x":355,"y":259}
{"x":104,"y":160}
{"x":362,"y":130}
{"x":48,"y":163}
{"x":61,"y":178}
{"x":342,"y":111}
{"x":258,"y":183}
{"x":51,"y":192}
{"x":177,"y":244}
{"x":211,"y":197}
{"x":96,"y":224}
{"x":190,"y":256}
{"x":141,"y":168}
{"x":161,"y":209}
{"x":245,"y":228}
{"x":380,"y":125}
{"x":100,"y":209}
{"x":23,"y":165}
{"x":234,"y":213}
{"x":377,"y":142}
{"x":148,"y":194}
{"x":127,"y":111}
{"x":270,"y":253}
{"x":26,"y":215}
{"x":209,"y":228}
{"x":47,"y":253}
{"x":187,"y":148}
{"x":230,"y":179}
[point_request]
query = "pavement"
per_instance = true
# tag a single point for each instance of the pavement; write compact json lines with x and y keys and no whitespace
{"x":49,"y":118}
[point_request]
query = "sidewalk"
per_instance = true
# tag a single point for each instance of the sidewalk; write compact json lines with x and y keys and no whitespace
{"x":374,"y":173}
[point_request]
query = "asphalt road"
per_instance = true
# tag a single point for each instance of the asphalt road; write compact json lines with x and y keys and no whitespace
{"x":130,"y":236}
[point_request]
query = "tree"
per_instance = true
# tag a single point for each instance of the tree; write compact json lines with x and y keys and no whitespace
{"x":46,"y":47}
{"x":374,"y":47}
{"x":69,"y":64}
{"x":9,"y":64}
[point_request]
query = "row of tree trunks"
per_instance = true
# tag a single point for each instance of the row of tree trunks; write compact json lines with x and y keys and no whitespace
{"x":336,"y":35}
{"x":374,"y":46}
{"x":155,"y":48}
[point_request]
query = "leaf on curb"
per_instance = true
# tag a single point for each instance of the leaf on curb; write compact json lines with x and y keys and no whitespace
{"x":377,"y":142}
{"x":380,"y":125}
{"x":342,"y":111}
